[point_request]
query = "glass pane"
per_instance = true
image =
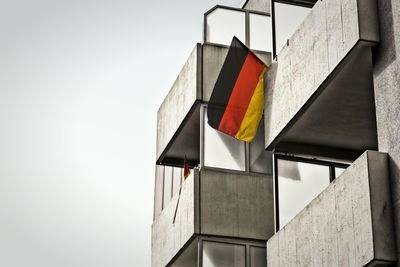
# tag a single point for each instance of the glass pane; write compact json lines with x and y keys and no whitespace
{"x":177,"y":176}
{"x":167,"y":184}
{"x":158,"y":193}
{"x":339,"y":171}
{"x":260,"y":159}
{"x":222,"y":150}
{"x":217,"y":254}
{"x":260,"y":32}
{"x":298,"y":184}
{"x":223,"y":24}
{"x":258,"y":257}
{"x":287,"y":19}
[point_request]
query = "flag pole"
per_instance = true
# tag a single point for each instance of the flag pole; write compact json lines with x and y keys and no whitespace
{"x":179,"y":196}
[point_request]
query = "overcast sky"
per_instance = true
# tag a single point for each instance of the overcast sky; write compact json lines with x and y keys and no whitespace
{"x":80,"y":85}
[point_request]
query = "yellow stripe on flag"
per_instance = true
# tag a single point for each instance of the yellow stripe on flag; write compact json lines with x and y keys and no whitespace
{"x":249,"y":125}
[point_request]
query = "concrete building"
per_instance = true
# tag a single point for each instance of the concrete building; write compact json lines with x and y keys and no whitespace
{"x":320,"y":183}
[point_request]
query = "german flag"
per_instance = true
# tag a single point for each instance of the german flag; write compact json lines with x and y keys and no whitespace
{"x":237,"y":100}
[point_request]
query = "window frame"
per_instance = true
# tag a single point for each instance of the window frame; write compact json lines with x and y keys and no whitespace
{"x":276,"y":156}
{"x":300,"y":3}
{"x":231,"y":241}
{"x":247,"y":24}
{"x":246,"y":151}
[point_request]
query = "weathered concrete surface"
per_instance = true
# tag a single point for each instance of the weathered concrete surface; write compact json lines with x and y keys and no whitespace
{"x":180,"y":99}
{"x":348,"y":224}
{"x":258,"y":5}
{"x":214,"y":203}
{"x":330,"y":31}
{"x":387,"y":97}
{"x":213,"y":59}
{"x":158,"y":191}
{"x":236,"y":205}
{"x":167,"y":238}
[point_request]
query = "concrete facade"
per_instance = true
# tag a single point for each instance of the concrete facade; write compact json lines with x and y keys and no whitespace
{"x":348,"y":224}
{"x":217,"y":203}
{"x":387,"y":95}
{"x":328,"y":34}
{"x":331,"y":94}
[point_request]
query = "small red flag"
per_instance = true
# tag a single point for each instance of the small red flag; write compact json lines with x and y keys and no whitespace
{"x":186,"y":171}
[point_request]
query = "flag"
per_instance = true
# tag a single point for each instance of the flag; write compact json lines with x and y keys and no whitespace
{"x":237,"y":100}
{"x":186,"y":171}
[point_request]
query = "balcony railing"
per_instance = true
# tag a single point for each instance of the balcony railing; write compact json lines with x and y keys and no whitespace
{"x":349,"y":224}
{"x":214,"y":203}
{"x":253,"y":28}
{"x":322,"y":75}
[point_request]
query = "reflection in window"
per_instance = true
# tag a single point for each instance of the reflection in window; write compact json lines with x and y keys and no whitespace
{"x":258,"y":256}
{"x":260,"y":159}
{"x":260,"y":32}
{"x":223,"y":24}
{"x":298,"y":184}
{"x":222,"y":150}
{"x":216,"y":254}
{"x":158,"y":190}
{"x":177,"y":177}
{"x":339,"y":171}
{"x":167,"y":184}
{"x":287,"y":20}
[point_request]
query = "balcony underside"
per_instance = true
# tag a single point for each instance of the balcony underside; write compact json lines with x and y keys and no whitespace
{"x":339,"y":119}
{"x":185,"y":142}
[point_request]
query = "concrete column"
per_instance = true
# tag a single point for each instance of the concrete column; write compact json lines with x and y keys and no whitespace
{"x":387,"y":97}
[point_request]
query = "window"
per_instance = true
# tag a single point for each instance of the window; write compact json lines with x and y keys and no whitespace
{"x":229,"y":252}
{"x":222,"y":24}
{"x":217,"y":254}
{"x":252,"y":28}
{"x":225,"y":152}
{"x":258,"y":256}
{"x":286,"y":18}
{"x":297,"y":182}
{"x":167,"y":184}
{"x":260,"y":32}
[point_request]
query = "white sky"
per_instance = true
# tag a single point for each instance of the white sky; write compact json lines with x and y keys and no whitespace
{"x":80,"y":85}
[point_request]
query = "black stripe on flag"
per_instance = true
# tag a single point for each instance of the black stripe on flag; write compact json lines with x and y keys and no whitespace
{"x":226,"y":81}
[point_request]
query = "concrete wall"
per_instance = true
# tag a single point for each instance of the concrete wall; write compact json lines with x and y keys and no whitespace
{"x":167,"y":238}
{"x":179,"y":101}
{"x":236,"y":205}
{"x":348,"y":224}
{"x":258,"y":5}
{"x":158,"y":190}
{"x":329,"y":32}
{"x":214,"y":203}
{"x":387,"y":96}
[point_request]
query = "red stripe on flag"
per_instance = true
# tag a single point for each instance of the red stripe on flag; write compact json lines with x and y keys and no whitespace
{"x":241,"y":95}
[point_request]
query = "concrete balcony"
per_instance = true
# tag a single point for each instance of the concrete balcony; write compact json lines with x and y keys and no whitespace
{"x":213,"y":203}
{"x":178,"y":118}
{"x":319,"y":93}
{"x":349,"y":224}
